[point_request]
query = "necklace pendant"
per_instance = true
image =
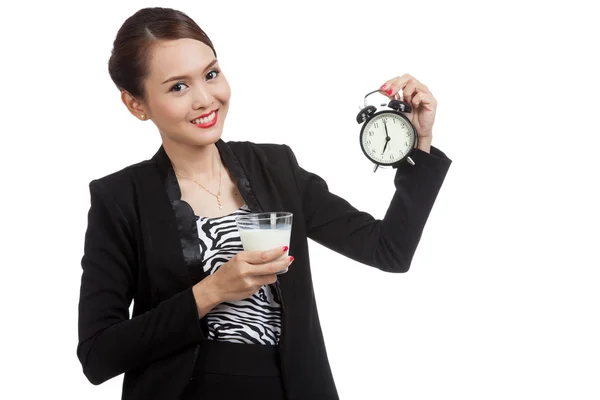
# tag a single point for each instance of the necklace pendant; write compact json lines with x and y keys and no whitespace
{"x":219,"y":201}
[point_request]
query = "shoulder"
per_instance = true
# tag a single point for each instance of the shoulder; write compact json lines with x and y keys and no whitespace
{"x":269,"y":153}
{"x":121,"y":183}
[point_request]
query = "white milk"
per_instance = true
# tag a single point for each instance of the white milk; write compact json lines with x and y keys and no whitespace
{"x":265,"y":239}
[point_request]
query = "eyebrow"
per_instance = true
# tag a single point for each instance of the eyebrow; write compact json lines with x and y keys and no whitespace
{"x":180,"y":77}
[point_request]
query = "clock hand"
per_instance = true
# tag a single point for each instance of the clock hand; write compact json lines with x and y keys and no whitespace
{"x":387,"y":137}
{"x":384,"y":147}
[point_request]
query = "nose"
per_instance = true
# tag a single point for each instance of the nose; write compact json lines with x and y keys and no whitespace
{"x":202,"y":97}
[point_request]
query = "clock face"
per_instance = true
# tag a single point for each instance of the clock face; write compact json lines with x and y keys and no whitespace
{"x":387,"y":138}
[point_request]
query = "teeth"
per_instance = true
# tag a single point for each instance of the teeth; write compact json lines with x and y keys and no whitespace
{"x":204,"y":120}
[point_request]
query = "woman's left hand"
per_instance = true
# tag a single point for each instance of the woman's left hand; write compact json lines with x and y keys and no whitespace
{"x":420,"y":99}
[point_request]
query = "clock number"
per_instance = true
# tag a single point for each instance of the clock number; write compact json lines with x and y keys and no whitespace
{"x":368,"y":142}
{"x":371,"y":133}
{"x":391,"y":156}
{"x":376,"y":125}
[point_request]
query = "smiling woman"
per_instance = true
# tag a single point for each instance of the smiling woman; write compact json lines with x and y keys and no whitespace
{"x":211,"y":320}
{"x":159,"y":79}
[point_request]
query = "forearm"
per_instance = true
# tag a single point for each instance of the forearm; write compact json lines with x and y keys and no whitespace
{"x":417,"y":187}
{"x":387,"y":244}
{"x":122,"y":346}
{"x":172,"y":325}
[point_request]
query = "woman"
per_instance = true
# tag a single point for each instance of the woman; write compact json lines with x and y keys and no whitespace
{"x":210,"y":319}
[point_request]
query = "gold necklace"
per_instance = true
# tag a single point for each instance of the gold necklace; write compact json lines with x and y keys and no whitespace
{"x":218,"y":195}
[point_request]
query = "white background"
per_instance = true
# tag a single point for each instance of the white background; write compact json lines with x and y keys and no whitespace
{"x":502,"y":297}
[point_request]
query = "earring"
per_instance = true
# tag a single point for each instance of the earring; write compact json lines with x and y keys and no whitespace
{"x":143,"y":117}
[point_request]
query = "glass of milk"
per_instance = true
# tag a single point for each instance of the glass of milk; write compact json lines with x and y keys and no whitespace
{"x":265,"y":231}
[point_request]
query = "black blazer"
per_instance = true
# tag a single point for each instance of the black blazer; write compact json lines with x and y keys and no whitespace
{"x":141,"y":239}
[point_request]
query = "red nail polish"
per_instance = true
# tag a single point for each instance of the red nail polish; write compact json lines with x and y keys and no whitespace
{"x":285,"y":248}
{"x":389,"y":92}
{"x":382,"y":87}
{"x":291,"y":258}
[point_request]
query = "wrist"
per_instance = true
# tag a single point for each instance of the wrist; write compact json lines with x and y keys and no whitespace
{"x":205,"y":295}
{"x":424,"y":144}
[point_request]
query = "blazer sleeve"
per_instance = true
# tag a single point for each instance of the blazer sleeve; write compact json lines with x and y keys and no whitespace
{"x":388,"y":244}
{"x":110,"y":343}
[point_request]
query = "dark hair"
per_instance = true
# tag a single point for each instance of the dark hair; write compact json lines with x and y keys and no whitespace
{"x":129,"y":62}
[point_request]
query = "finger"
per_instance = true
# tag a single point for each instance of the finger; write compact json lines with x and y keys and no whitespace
{"x":265,"y":280}
{"x":254,"y":283}
{"x":404,"y":86}
{"x":280,"y":265}
{"x":409,"y":90}
{"x":262,"y":257}
{"x":396,"y":81}
{"x":386,"y":88}
{"x":413,"y":89}
{"x":424,"y":99}
{"x":273,"y":267}
{"x":392,"y":86}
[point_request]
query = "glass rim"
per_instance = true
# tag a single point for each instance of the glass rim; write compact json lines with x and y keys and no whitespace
{"x":265,"y":216}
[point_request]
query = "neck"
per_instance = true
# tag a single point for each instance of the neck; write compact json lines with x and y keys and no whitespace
{"x":201,"y":163}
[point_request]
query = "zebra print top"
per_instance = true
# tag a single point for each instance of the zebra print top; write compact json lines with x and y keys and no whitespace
{"x":254,"y":320}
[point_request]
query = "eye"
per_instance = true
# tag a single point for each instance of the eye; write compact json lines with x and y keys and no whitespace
{"x":177,"y":85}
{"x":215,"y":71}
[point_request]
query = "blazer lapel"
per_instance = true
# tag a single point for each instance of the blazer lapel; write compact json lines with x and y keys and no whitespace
{"x":231,"y":160}
{"x":161,"y":224}
{"x":181,"y":210}
{"x":254,"y":181}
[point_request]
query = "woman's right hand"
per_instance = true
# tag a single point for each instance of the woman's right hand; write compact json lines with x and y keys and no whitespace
{"x":243,"y":275}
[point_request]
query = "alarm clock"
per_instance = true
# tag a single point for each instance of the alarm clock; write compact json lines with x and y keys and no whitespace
{"x":387,"y":137}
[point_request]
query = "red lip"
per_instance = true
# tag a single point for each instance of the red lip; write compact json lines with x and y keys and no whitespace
{"x":204,"y":115}
{"x":211,"y":123}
